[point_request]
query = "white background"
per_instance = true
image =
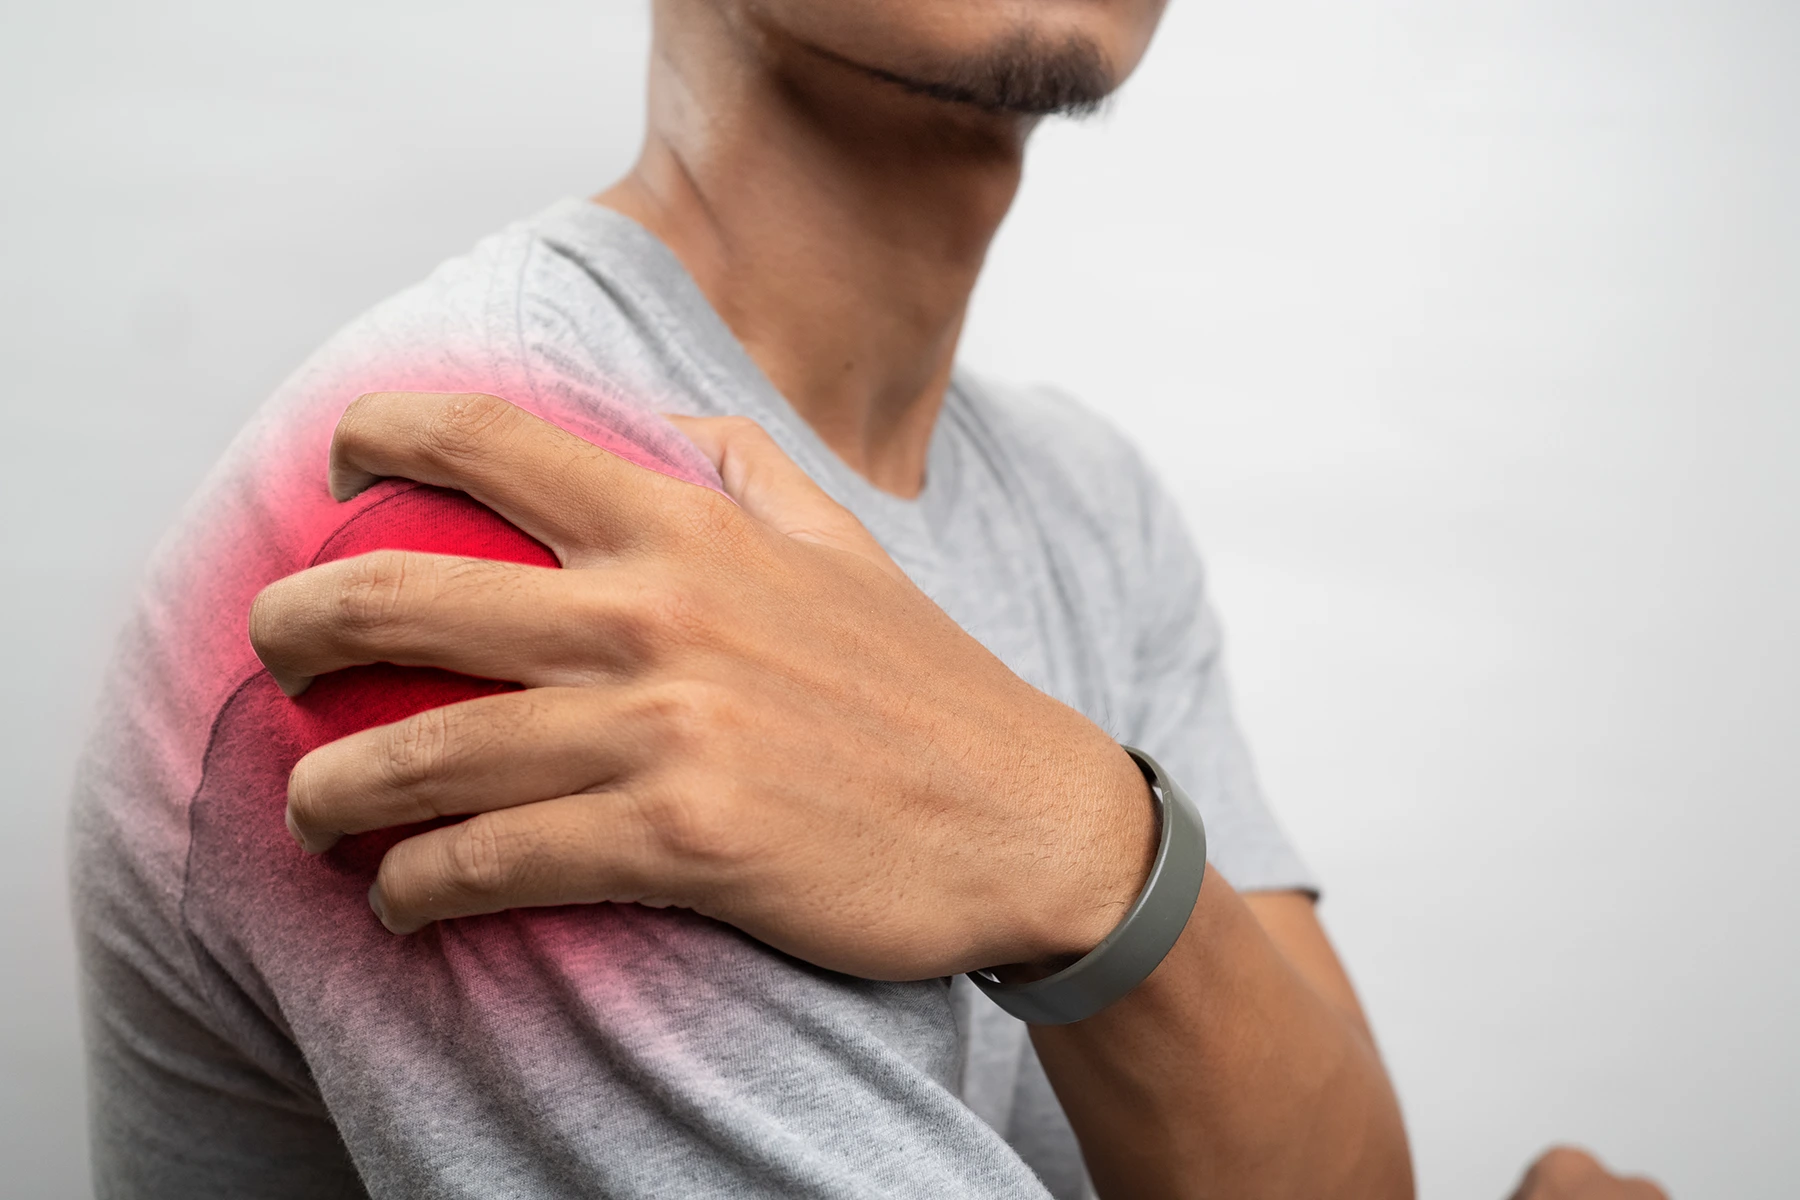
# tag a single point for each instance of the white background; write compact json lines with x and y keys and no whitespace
{"x":1467,"y":333}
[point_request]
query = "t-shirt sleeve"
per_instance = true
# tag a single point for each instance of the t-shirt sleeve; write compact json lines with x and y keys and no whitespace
{"x":1179,"y":707}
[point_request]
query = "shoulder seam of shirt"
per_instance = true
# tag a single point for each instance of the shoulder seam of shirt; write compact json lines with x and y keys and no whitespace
{"x":212,"y":736}
{"x":522,"y":355}
{"x":189,"y":939}
{"x":600,"y":383}
{"x":650,"y":306}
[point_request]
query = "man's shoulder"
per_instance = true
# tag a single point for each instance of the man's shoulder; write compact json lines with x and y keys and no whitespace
{"x":264,"y":511}
{"x":468,"y":326}
{"x":504,"y":315}
{"x":460,"y":322}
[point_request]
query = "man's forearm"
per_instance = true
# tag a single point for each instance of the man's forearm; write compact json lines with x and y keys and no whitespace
{"x":1229,"y":1073}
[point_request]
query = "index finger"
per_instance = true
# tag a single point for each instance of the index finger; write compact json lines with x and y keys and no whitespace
{"x":567,"y":492}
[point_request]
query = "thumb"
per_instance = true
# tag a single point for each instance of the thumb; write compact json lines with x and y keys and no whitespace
{"x":767,"y":484}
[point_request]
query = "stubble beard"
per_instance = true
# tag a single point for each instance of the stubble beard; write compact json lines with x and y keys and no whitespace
{"x":1026,"y":75}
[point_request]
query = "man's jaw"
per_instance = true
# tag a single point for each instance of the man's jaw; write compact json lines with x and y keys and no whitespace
{"x":1026,"y":75}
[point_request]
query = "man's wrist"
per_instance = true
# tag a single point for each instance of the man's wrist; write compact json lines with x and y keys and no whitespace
{"x":1131,"y":951}
{"x":1108,"y":860}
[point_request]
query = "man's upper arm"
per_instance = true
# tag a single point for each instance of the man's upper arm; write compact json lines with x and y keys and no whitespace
{"x":175,"y":1110}
{"x":1183,"y":711}
{"x":1291,"y":920}
{"x":602,"y":1049}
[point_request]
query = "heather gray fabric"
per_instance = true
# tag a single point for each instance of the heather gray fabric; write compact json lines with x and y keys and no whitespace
{"x":240,"y":1044}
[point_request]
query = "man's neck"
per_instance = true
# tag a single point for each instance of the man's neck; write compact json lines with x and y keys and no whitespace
{"x":835,"y":221}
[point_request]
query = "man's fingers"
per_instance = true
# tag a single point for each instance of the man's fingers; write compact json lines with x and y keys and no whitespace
{"x":770,"y":487}
{"x":566,"y":492}
{"x":489,"y":619}
{"x":480,"y":755}
{"x":571,"y":850}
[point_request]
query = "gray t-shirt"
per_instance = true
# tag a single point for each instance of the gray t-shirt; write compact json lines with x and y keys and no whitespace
{"x":253,"y":1031}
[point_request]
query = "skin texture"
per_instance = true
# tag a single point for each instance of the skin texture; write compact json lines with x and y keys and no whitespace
{"x":712,"y":687}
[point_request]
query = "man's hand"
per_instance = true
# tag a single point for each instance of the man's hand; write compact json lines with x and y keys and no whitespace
{"x":745,"y":709}
{"x":1564,"y":1173}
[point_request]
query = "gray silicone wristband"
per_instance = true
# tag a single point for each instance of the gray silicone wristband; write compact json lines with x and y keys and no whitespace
{"x":1142,"y":940}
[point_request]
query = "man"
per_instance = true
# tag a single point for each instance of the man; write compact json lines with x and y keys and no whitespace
{"x":715,"y":726}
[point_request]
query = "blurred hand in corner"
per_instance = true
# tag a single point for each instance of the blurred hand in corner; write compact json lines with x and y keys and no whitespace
{"x":1565,"y":1173}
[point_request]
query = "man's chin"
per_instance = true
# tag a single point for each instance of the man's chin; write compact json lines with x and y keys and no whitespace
{"x":1026,"y":74}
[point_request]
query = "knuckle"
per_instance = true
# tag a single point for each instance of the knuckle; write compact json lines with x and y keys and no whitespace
{"x":482,"y":859}
{"x":647,"y":616}
{"x":742,"y":429}
{"x":690,"y":825}
{"x":460,"y":425}
{"x":692,"y":714}
{"x":418,"y":750}
{"x":372,"y":590}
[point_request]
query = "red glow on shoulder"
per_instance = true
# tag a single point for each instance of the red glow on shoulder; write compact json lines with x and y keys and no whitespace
{"x":427,"y":520}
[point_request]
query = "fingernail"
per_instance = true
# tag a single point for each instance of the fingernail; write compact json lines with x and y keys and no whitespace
{"x":378,"y":907}
{"x":291,"y":685}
